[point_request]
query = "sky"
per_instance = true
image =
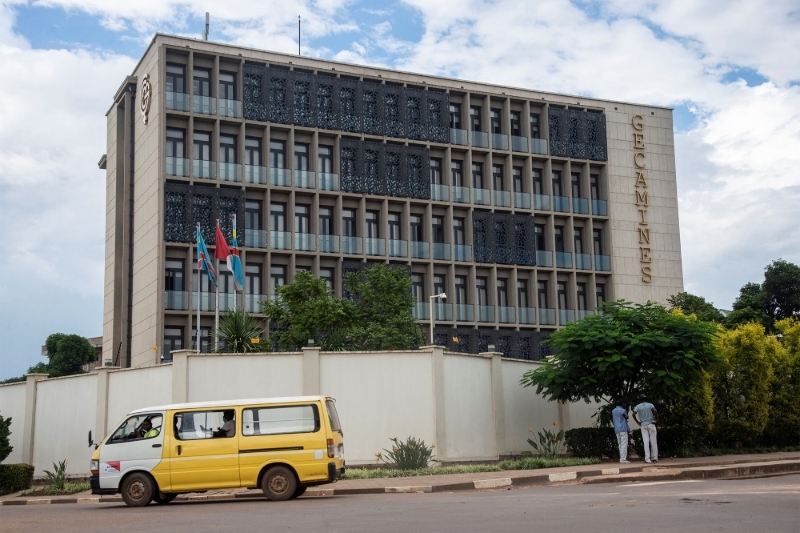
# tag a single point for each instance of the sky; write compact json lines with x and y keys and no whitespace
{"x":729,"y":68}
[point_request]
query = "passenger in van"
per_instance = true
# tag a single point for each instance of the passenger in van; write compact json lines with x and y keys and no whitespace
{"x":228,"y":428}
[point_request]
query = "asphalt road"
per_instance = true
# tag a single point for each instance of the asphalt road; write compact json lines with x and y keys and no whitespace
{"x":770,"y":505}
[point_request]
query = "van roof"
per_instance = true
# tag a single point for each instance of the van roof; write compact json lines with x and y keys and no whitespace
{"x":228,"y":403}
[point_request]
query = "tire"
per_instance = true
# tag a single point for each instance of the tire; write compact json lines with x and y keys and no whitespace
{"x":279,"y":484}
{"x":299,"y":491}
{"x":168,"y":497}
{"x":138,"y":489}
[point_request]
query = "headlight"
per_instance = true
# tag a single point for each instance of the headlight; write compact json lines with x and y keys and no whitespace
{"x":94,"y":466}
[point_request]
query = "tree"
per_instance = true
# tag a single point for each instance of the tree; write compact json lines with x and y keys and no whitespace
{"x":68,"y":354}
{"x":783,"y":423}
{"x":626,"y":350}
{"x":237,"y":328}
{"x":5,"y":431}
{"x":690,"y":304}
{"x":781,"y":290}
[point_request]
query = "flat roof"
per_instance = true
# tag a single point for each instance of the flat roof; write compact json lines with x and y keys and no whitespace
{"x":229,"y":403}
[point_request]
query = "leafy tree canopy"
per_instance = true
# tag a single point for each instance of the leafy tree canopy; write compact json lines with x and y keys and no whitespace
{"x":776,"y":299}
{"x":67,"y":354}
{"x":5,"y":431}
{"x":690,"y":304}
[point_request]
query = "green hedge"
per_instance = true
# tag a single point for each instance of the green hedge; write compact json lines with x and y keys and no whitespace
{"x":592,"y":442}
{"x":14,"y":478}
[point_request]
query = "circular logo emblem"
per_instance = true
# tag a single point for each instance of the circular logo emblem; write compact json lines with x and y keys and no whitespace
{"x":147,"y":93}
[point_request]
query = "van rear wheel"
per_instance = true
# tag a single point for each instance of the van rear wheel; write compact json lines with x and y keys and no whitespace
{"x":279,"y":483}
{"x":137,"y":489}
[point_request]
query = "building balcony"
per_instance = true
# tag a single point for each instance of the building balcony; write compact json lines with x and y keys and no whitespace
{"x":420,"y":250}
{"x":499,"y":141}
{"x":539,"y":146}
{"x":443,"y":311}
{"x":544,"y":258}
{"x":506,"y":315}
{"x":465,"y":313}
{"x":280,"y":177}
{"x":255,"y":174}
{"x":329,"y":244}
{"x":205,"y":105}
{"x":561,"y":204}
{"x":563,"y":260}
{"x":252,"y":302}
{"x":461,"y":194}
{"x":352,"y":245}
{"x":541,"y":202}
{"x":583,"y":261}
{"x":502,"y":198}
{"x":227,"y":301}
{"x":177,"y":166}
{"x":441,"y":251}
{"x":565,"y":316}
{"x":602,"y":262}
{"x":375,"y":246}
{"x":177,"y":101}
{"x":458,"y":137}
{"x":481,"y":197}
{"x":398,"y":248}
{"x":583,"y":313}
{"x":522,"y":200}
{"x":462,"y":252}
{"x":176,"y":300}
{"x":440,"y":192}
{"x":421,"y":311}
{"x":527,"y":315}
{"x":305,"y":242}
{"x":230,"y":172}
{"x":599,"y":207}
{"x":255,"y":238}
{"x":485,"y":313}
{"x":519,"y":144}
{"x":580,"y":206}
{"x":328,"y":182}
{"x":547,"y":317}
{"x":480,"y":139}
{"x":305,"y":179}
{"x":204,"y":169}
{"x":280,"y":240}
{"x":230,"y":108}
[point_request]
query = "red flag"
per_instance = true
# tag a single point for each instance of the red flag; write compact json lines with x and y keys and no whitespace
{"x":221,"y":250}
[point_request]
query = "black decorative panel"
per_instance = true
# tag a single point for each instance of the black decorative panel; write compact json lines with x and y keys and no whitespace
{"x":350,"y":171}
{"x":349,"y":105}
{"x":503,"y":225}
{"x":231,"y":202}
{"x":577,"y":134}
{"x":327,"y":103}
{"x":347,"y":268}
{"x":438,"y":117}
{"x":505,"y":342}
{"x":524,"y":235}
{"x":596,"y":144}
{"x":483,"y":236}
{"x":203,"y":212}
{"x":177,"y":213}
{"x":526,"y":346}
{"x":304,"y":99}
{"x":372,"y":108}
{"x":416,"y":114}
{"x":374,"y":176}
{"x":255,"y":100}
{"x":544,"y":351}
{"x":440,"y":336}
{"x":482,"y":338}
{"x":395,"y":170}
{"x":279,"y":85}
{"x":458,"y":340}
{"x":558,"y":125}
{"x":418,"y":162}
{"x":394,"y":105}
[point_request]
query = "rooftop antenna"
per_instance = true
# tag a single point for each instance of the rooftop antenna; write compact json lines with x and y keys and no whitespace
{"x":205,"y":31}
{"x":298,"y":34}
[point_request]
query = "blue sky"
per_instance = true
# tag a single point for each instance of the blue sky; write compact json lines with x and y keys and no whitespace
{"x":730,"y":69}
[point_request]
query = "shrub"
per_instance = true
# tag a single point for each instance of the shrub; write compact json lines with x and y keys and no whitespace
{"x":672,"y":442}
{"x":412,"y":454}
{"x":549,"y":445}
{"x":57,"y":479}
{"x":592,"y":442}
{"x":15,"y":477}
{"x":5,"y":431}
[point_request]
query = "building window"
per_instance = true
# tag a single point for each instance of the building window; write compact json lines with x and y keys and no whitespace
{"x":227,"y":86}
{"x":302,"y":218}
{"x":535,"y":125}
{"x":457,"y":173}
{"x":277,"y":154}
{"x":455,"y":116}
{"x":581,"y":294}
{"x":227,"y":149}
{"x":349,"y":228}
{"x":205,"y":340}
{"x":201,"y":82}
{"x":436,"y":171}
{"x":202,"y":146}
{"x":522,"y":293}
{"x":277,"y":278}
{"x":175,"y":145}
{"x":561,"y":289}
{"x":495,"y":120}
{"x":559,"y":238}
{"x":516,"y":173}
{"x":576,"y":185}
{"x":461,"y":289}
{"x":173,"y":340}
{"x":458,"y":231}
{"x":372,"y":221}
{"x":516,"y":124}
{"x":538,"y":231}
{"x":176,"y":79}
{"x":502,"y":292}
{"x":439,"y":284}
{"x":326,"y":221}
{"x":438,"y":229}
{"x":542,"y":294}
{"x":418,"y":287}
{"x":597,"y":236}
{"x":600,"y":291}
{"x":301,"y":157}
{"x":252,"y":278}
{"x":477,"y":175}
{"x":225,"y":279}
{"x":475,"y":118}
{"x":325,"y":159}
{"x":497,"y":177}
{"x":277,"y":217}
{"x":416,"y":228}
{"x":594,"y":186}
{"x":252,"y":214}
{"x":578,"y":240}
{"x":557,"y":190}
{"x":326,"y":275}
{"x":173,"y":275}
{"x":538,"y":187}
{"x":395,"y":232}
{"x":252,"y":151}
{"x":481,"y":291}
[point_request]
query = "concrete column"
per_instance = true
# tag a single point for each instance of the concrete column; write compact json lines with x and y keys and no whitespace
{"x":30,"y":413}
{"x":437,"y":362}
{"x":101,"y":409}
{"x":311,"y":371}
{"x":180,"y":375}
{"x":498,"y":405}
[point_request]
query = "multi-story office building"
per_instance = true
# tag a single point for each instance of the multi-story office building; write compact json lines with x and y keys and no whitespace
{"x":526,"y":208}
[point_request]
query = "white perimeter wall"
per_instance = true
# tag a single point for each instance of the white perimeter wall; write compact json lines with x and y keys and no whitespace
{"x":469,"y":419}
{"x":12,"y":405}
{"x":135,"y":388}
{"x":245,"y":376}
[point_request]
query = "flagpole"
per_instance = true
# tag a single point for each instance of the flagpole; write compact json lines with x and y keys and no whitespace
{"x":216,"y":305}
{"x":198,"y":288}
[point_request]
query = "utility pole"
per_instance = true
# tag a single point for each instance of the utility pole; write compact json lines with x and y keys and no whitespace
{"x":205,"y":31}
{"x":298,"y":34}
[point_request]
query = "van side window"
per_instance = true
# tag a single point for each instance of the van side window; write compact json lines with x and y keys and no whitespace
{"x":333,"y":415}
{"x":138,"y":427}
{"x":280,"y":420}
{"x":197,"y":425}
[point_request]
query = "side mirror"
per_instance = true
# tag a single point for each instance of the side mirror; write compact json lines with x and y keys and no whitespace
{"x":91,"y":442}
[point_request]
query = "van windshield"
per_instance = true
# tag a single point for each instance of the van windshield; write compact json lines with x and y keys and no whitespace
{"x":333,"y":415}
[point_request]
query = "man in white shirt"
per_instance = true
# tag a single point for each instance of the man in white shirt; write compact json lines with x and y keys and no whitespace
{"x":646,"y":416}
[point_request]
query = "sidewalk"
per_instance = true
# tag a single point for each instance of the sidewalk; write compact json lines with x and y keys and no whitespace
{"x":728,"y":466}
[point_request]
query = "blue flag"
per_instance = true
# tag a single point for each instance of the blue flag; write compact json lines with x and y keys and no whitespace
{"x":234,"y":261}
{"x":204,"y":260}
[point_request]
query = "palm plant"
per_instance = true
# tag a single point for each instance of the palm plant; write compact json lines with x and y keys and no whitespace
{"x":57,"y":479}
{"x":237,"y":328}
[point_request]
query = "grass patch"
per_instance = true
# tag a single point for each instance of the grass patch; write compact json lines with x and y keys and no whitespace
{"x":69,"y":488}
{"x":531,"y":463}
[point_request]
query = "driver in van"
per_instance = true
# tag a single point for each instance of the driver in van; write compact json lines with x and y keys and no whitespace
{"x":228,"y":428}
{"x":145,"y":431}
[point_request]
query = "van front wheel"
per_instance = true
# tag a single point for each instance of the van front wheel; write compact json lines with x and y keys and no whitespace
{"x":137,"y":490}
{"x":279,"y":483}
{"x":299,"y":491}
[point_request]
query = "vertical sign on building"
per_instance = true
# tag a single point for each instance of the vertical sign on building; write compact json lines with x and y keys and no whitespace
{"x":642,"y":199}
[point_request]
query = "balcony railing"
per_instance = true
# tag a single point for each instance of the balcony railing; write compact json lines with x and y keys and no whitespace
{"x":398,"y":248}
{"x":441,"y":250}
{"x":561,"y":204}
{"x":485,"y":313}
{"x":177,"y":101}
{"x":421,"y":311}
{"x":204,"y":169}
{"x":565,"y":316}
{"x":544,"y":258}
{"x":465,"y":313}
{"x":583,"y":261}
{"x":506,"y":315}
{"x":563,"y":260}
{"x":230,"y":108}
{"x":600,"y":207}
{"x":208,"y":301}
{"x":329,"y":244}
{"x":255,"y":238}
{"x":527,"y":315}
{"x":583,"y":313}
{"x":305,"y":179}
{"x":252,"y":302}
{"x":462,"y":252}
{"x":547,"y":317}
{"x":280,"y":240}
{"x":499,"y":141}
{"x":206,"y":105}
{"x":305,"y":242}
{"x":458,"y":136}
{"x":580,"y":206}
{"x":176,"y":300}
{"x":440,"y":192}
{"x":420,"y":250}
{"x":177,"y":166}
{"x":519,"y":144}
{"x":502,"y":198}
{"x":280,"y":177}
{"x":522,"y":200}
{"x":602,"y":262}
{"x":539,"y":146}
{"x":352,"y":245}
{"x":461,"y":194}
{"x":541,"y":202}
{"x":255,"y":174}
{"x":480,"y":139}
{"x":328,"y":182}
{"x":375,"y":246}
{"x":230,"y":172}
{"x":482,"y":197}
{"x":443,"y":311}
